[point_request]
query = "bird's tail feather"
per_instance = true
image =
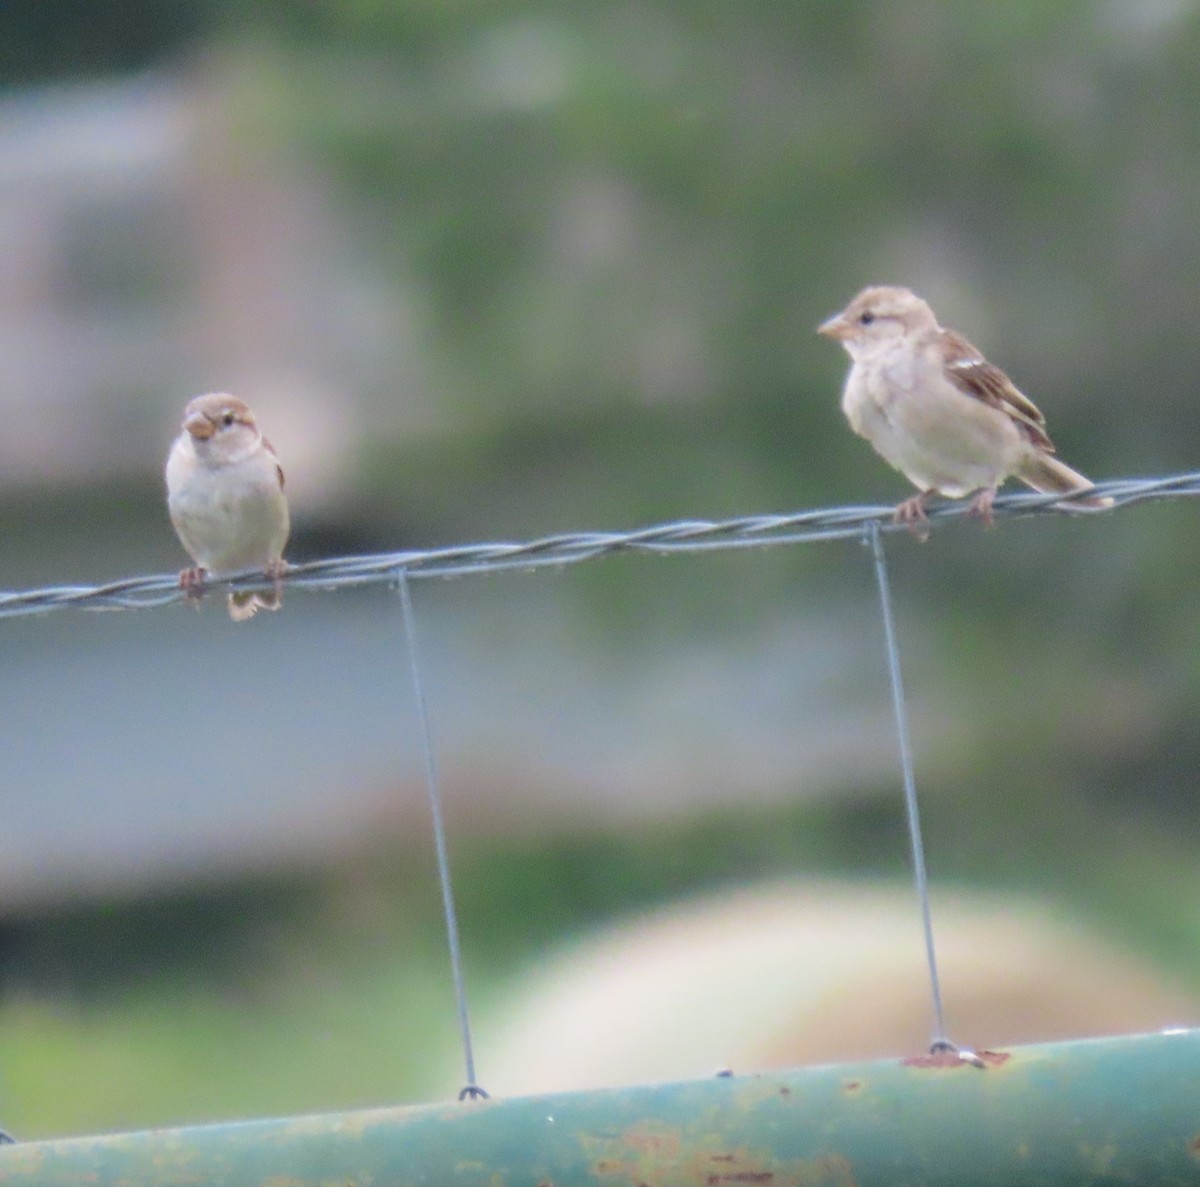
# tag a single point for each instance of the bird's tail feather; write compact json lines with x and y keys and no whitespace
{"x":245,"y":605}
{"x":1045,"y":473}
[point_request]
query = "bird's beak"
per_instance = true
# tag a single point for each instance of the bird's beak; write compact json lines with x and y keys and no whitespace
{"x":199,"y":426}
{"x":836,"y":327}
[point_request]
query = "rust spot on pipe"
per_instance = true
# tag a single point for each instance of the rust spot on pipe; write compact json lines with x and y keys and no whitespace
{"x":947,"y":1059}
{"x":1194,"y":1147}
{"x":646,"y":1153}
{"x":852,"y":1086}
{"x":741,"y":1177}
{"x":751,"y":1174}
{"x":647,"y":1140}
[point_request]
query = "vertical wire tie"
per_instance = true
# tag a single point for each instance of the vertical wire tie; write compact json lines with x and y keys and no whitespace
{"x":472,"y":1088}
{"x":941,"y":1041}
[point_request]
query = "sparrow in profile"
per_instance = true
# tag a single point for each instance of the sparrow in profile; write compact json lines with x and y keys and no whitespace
{"x":938,"y":411}
{"x":225,"y":496}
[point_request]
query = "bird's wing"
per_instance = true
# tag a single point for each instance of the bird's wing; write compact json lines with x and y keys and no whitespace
{"x":971,"y":373}
{"x":274,"y":457}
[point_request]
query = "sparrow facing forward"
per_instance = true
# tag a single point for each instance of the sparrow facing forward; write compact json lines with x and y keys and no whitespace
{"x":225,"y":496}
{"x":938,"y":411}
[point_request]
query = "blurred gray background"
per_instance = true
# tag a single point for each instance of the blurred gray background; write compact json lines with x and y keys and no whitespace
{"x":491,"y":271}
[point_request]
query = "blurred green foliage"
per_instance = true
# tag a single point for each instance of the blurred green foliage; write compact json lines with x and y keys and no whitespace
{"x":331,"y":991}
{"x":598,"y":201}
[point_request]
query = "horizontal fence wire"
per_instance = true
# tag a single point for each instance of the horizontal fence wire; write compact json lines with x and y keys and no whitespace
{"x":751,"y":531}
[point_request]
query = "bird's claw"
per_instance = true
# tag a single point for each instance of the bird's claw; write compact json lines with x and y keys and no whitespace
{"x":191,"y":581}
{"x":274,"y":571}
{"x":911,"y":513}
{"x":981,"y":506}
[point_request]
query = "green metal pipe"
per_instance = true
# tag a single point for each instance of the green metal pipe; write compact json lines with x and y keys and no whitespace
{"x":1124,"y":1110}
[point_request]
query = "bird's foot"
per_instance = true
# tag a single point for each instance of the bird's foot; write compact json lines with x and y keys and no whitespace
{"x":275,"y":570}
{"x":911,"y":513}
{"x":981,"y":506}
{"x":191,"y":581}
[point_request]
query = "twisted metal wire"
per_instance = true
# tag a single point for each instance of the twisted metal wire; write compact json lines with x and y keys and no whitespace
{"x":750,"y":531}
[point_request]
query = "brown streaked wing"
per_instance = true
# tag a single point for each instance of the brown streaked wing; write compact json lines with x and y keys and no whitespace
{"x":973,"y":374}
{"x":278,"y":468}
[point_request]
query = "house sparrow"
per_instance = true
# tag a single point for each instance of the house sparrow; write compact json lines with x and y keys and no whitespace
{"x":225,"y":496}
{"x":938,"y":411}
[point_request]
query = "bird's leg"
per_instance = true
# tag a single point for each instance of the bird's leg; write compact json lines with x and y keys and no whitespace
{"x":191,"y":581}
{"x":981,"y":505}
{"x":275,"y":570}
{"x":911,"y":513}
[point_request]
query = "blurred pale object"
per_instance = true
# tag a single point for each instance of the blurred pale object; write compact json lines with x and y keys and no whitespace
{"x":813,"y":973}
{"x":158,"y":236}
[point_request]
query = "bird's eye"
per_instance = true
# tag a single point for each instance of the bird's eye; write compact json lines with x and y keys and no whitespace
{"x":227,"y":419}
{"x":865,"y":319}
